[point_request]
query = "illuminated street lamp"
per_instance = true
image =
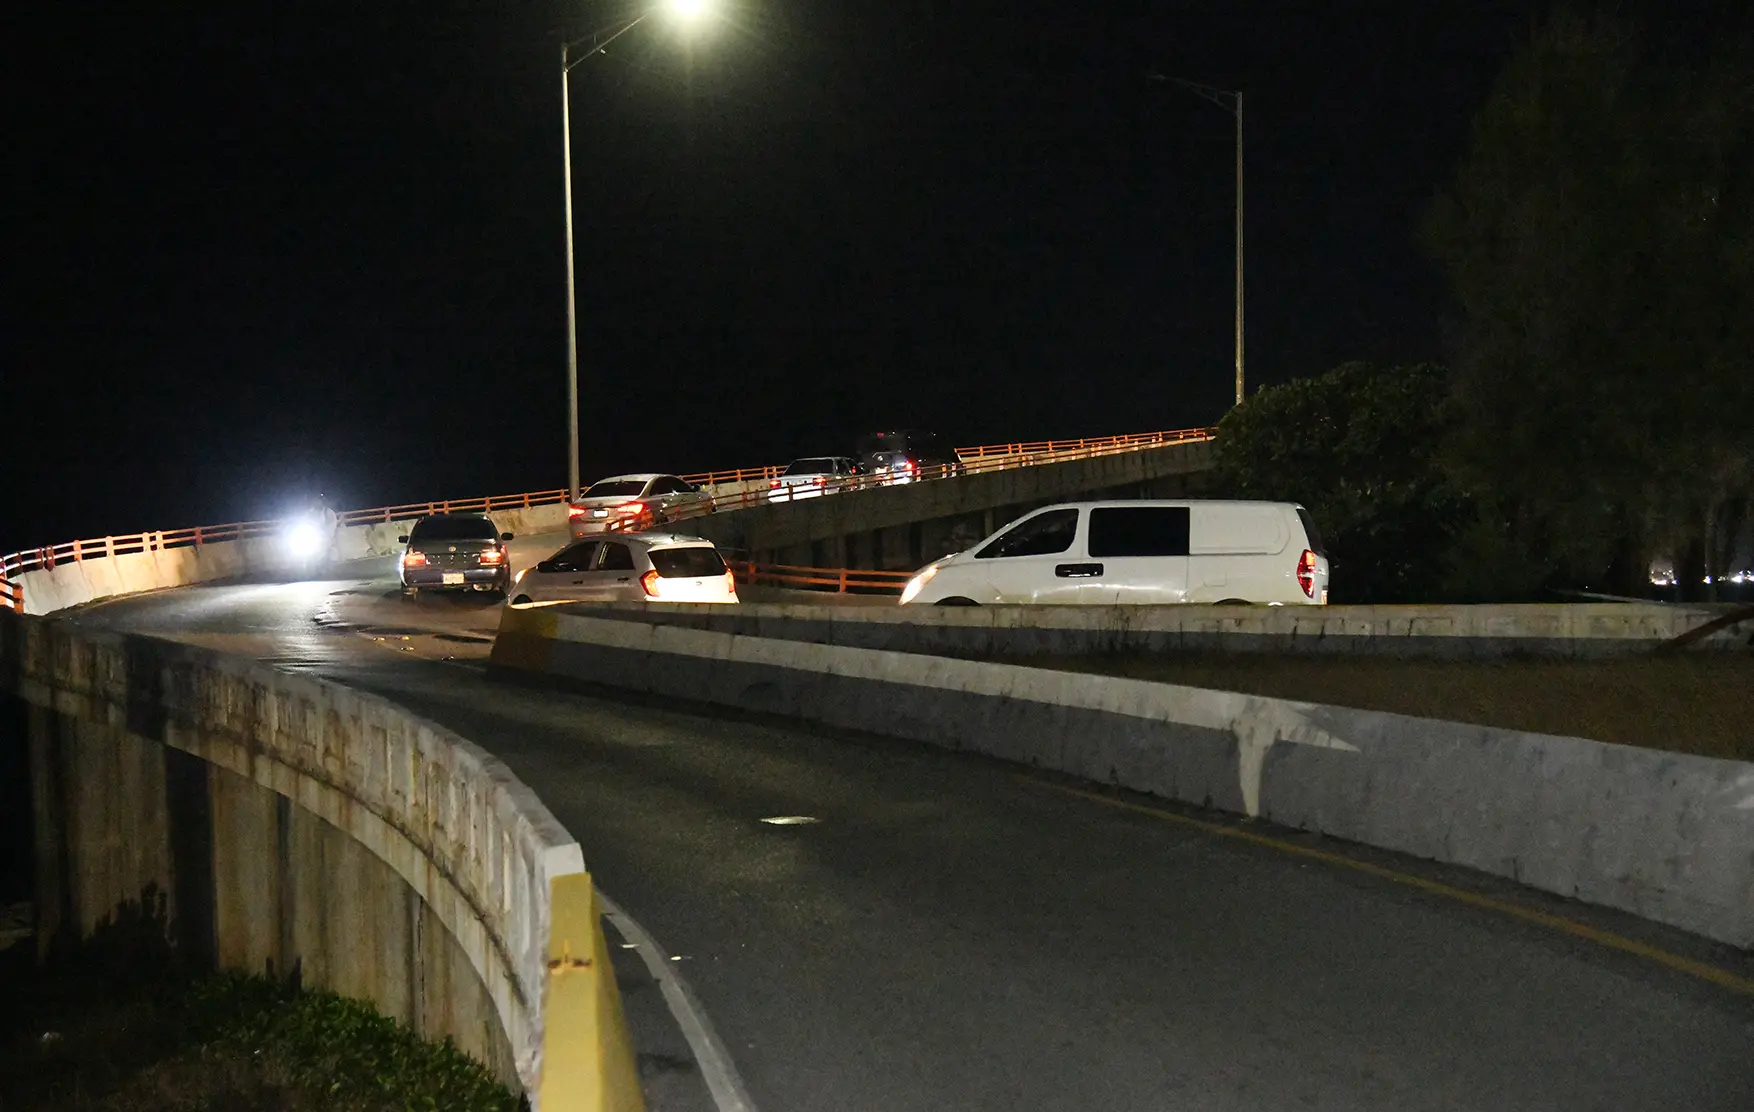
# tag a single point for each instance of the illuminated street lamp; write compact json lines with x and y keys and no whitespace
{"x":685,"y":12}
{"x":1231,"y":101}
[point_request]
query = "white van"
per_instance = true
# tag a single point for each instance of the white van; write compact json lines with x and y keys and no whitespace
{"x":1137,"y":553}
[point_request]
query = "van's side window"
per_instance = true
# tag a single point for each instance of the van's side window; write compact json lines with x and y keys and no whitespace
{"x":1139,"y":531}
{"x":1043,"y":535}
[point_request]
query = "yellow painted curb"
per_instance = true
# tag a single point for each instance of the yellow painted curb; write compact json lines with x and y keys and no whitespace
{"x":587,"y":1056}
{"x":524,"y":639}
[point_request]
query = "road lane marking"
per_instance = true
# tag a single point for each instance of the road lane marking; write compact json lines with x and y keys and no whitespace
{"x":1723,"y":978}
{"x":716,"y":1067}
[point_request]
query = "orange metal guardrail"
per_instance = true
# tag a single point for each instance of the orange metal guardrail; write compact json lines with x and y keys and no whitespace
{"x":840,"y":580}
{"x":975,"y":460}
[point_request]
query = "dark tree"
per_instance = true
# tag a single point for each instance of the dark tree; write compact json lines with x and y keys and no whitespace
{"x":1599,"y":244}
{"x":1358,"y":447}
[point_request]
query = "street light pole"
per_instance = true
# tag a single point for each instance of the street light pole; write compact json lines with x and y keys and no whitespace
{"x":597,"y":42}
{"x":1231,"y":101}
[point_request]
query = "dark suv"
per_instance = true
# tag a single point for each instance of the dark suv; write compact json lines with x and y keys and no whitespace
{"x":903,"y":455}
{"x":459,"y":551}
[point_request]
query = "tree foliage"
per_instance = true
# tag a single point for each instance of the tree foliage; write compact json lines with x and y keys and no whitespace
{"x":1358,"y":447}
{"x":1599,"y":240}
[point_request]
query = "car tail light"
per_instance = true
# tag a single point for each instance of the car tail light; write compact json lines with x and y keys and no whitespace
{"x":493,"y":556}
{"x":628,"y":509}
{"x":821,"y":479}
{"x":649,"y":583}
{"x":413,"y":559}
{"x":907,"y":465}
{"x":730,"y":581}
{"x":575,"y":511}
{"x":1306,"y":569}
{"x":773,"y":484}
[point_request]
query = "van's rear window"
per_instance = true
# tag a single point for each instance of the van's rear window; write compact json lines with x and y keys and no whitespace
{"x":687,"y":563}
{"x":1139,"y":531}
{"x":1315,"y":535}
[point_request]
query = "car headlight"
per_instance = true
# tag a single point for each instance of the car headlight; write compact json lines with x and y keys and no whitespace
{"x":304,"y":540}
{"x":916,"y":585}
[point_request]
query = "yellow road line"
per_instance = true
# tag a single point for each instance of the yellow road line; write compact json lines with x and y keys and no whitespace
{"x":1723,"y":978}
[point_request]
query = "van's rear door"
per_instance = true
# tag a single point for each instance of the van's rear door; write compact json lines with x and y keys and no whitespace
{"x":1135,"y":555}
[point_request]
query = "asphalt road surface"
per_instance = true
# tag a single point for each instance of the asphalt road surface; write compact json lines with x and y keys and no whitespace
{"x":954,"y":933}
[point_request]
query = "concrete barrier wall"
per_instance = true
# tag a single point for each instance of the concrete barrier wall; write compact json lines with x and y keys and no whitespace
{"x":1444,"y":632}
{"x":77,"y":582}
{"x":274,"y":822}
{"x":1663,"y":835}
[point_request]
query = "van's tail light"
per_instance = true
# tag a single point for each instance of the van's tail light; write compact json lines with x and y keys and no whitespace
{"x":1306,"y":570}
{"x":414,"y":560}
{"x":649,"y":583}
{"x":493,"y":556}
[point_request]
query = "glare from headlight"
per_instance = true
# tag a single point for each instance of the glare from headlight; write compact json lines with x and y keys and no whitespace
{"x":304,"y":540}
{"x":916,"y":585}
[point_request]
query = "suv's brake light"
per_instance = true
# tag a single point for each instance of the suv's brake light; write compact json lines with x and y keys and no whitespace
{"x":1306,"y":569}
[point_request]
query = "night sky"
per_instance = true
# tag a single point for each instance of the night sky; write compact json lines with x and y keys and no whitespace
{"x":318,"y":246}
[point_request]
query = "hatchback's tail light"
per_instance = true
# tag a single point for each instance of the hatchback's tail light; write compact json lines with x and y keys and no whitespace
{"x":730,"y":581}
{"x":493,"y":555}
{"x":649,"y":583}
{"x":414,"y":559}
{"x":1306,"y":570}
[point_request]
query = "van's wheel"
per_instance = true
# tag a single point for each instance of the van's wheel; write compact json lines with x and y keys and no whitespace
{"x":957,"y":600}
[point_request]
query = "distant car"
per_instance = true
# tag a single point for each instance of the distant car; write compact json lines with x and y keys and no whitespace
{"x":456,"y":551}
{"x":1137,"y":552}
{"x":633,"y":567}
{"x":904,"y":455}
{"x":807,"y":478}
{"x":629,"y":502}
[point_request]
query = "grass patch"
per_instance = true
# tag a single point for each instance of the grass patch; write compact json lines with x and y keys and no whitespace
{"x":1692,"y":703}
{"x":81,"y":1039}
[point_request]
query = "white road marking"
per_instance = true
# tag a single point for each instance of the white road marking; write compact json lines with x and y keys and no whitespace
{"x":716,"y":1067}
{"x":791,"y":820}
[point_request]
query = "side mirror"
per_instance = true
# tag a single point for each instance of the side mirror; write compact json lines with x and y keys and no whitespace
{"x":545,"y":566}
{"x":403,"y":539}
{"x":505,"y":536}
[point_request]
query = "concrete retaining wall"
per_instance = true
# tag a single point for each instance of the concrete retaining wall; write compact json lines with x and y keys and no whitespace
{"x":1444,"y":632}
{"x":77,"y":582}
{"x":274,"y":822}
{"x":1666,"y":836}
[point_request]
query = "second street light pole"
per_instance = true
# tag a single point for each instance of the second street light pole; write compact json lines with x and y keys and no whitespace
{"x":1231,"y":101}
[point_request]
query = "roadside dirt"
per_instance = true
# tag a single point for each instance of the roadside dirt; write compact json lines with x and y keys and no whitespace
{"x":1699,"y":703}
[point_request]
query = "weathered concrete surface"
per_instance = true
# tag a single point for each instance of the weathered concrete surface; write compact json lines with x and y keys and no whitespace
{"x":1539,"y":629}
{"x":1663,"y":835}
{"x":291,"y":824}
{"x":908,"y":525}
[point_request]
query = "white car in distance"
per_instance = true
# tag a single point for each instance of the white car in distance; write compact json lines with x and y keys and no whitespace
{"x":630,"y":502}
{"x":1137,"y":553}
{"x":810,"y":477}
{"x":631,"y":567}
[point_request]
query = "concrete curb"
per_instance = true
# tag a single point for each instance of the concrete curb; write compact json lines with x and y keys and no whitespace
{"x":1663,"y":835}
{"x":1437,"y":632}
{"x":461,"y":836}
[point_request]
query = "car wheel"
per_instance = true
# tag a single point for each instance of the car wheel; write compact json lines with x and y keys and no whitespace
{"x":956,"y":600}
